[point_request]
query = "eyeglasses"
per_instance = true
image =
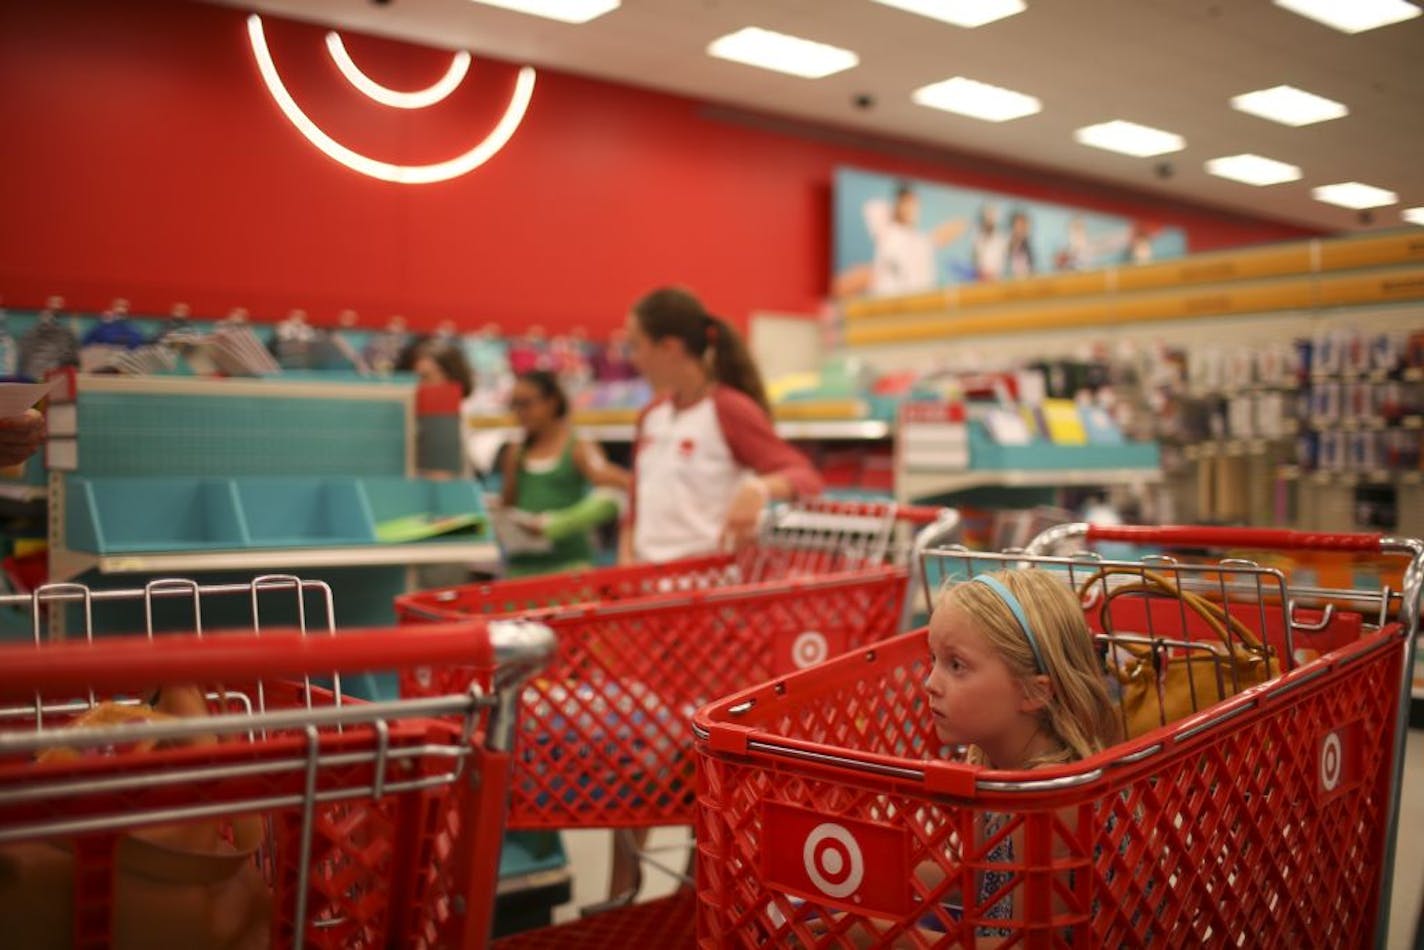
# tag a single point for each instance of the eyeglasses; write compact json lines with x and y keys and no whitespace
{"x":518,"y":404}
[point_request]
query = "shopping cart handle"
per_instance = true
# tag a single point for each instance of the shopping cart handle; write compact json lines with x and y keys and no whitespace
{"x":1261,"y":538}
{"x":112,"y":665}
{"x":909,"y":514}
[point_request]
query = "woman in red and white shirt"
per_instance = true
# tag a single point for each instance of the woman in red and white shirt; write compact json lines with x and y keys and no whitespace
{"x":706,"y":460}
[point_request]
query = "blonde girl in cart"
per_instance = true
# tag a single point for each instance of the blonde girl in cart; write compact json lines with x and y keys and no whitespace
{"x":1016,"y":683}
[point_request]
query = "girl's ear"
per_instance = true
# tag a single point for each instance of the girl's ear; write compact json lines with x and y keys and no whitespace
{"x":1036,"y":692}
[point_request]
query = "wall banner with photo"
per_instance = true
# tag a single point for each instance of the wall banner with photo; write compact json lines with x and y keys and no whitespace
{"x":902,"y":236}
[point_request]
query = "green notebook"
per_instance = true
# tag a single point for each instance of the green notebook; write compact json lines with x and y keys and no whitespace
{"x":422,"y":526}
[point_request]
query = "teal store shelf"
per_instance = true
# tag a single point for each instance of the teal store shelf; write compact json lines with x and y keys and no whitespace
{"x":1041,"y":455}
{"x":143,"y":515}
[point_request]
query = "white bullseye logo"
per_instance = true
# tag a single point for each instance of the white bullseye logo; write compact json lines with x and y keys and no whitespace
{"x":1331,"y":756}
{"x":418,"y":99}
{"x":833,"y":860}
{"x":809,"y":649}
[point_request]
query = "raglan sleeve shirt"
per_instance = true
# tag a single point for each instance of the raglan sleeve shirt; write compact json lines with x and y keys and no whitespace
{"x":756,"y":446}
{"x":688,"y":465}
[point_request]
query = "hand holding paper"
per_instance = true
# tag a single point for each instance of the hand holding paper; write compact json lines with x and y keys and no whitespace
{"x":22,"y":429}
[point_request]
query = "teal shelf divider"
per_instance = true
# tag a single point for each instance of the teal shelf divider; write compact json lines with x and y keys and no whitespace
{"x":416,"y":500}
{"x":137,"y":515}
{"x":306,"y":512}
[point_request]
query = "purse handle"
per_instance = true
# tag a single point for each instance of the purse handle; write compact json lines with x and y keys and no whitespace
{"x":1214,"y":615}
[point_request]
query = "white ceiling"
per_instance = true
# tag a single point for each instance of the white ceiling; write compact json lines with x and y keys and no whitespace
{"x":1172,"y":64}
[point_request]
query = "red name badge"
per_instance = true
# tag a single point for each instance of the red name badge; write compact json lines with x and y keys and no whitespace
{"x":861,"y":866}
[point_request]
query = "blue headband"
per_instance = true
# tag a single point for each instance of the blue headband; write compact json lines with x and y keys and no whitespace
{"x":1016,"y":608}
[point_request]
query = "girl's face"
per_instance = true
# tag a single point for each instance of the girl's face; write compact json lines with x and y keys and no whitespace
{"x":974,"y":696}
{"x":653,"y":359}
{"x":429,"y":372}
{"x":532,"y":409}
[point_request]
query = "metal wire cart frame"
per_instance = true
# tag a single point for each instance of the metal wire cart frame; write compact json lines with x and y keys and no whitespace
{"x":352,"y":823}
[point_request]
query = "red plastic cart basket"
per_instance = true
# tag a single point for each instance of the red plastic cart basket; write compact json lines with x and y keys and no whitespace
{"x":830,"y":815}
{"x":376,"y":824}
{"x":605,"y":735}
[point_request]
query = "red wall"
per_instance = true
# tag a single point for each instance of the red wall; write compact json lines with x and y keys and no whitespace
{"x":144,"y":158}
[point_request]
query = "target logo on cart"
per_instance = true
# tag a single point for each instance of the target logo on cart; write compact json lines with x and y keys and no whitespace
{"x":858,"y":865}
{"x":797,"y":651}
{"x":1337,"y":758}
{"x":809,"y":649}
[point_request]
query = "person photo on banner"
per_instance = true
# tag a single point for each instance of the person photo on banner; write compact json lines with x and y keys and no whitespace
{"x":1081,"y":252}
{"x":1020,"y":246}
{"x":991,"y":244}
{"x":903,"y":261}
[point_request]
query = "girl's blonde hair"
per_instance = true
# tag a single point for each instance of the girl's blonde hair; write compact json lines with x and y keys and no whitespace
{"x":1078,"y":712}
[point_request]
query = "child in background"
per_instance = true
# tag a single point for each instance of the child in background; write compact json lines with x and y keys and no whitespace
{"x":1017,"y":681}
{"x":554,"y":482}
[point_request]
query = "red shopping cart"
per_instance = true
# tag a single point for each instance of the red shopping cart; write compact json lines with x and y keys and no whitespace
{"x":829,"y":814}
{"x":324,"y":821}
{"x":605,"y":736}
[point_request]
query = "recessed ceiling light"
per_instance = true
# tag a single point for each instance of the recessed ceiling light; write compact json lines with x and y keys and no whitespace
{"x":783,"y":53}
{"x":978,"y":100}
{"x":1289,"y":105}
{"x":1413,"y":215}
{"x":565,"y":11}
{"x":1354,"y":195}
{"x":1253,"y":169}
{"x":1353,"y":16}
{"x":967,"y":13}
{"x":1129,"y":138}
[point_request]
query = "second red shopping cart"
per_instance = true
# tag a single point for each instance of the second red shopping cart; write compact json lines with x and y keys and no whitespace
{"x":605,"y":738}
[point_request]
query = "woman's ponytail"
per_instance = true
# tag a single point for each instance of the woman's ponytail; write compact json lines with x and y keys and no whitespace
{"x":732,"y":363}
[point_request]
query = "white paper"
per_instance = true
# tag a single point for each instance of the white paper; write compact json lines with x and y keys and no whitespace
{"x":15,"y":398}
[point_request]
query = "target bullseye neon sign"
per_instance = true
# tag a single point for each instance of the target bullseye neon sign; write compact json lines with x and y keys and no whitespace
{"x":461,"y":164}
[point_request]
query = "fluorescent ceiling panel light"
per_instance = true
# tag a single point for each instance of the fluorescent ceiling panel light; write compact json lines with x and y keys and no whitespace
{"x":1354,"y":195}
{"x":966,"y":13}
{"x":1413,"y":215}
{"x":565,"y":11}
{"x":978,"y":100}
{"x":782,"y":53}
{"x":1253,"y":169}
{"x":1353,"y":16}
{"x":1289,"y":106}
{"x":1129,"y":138}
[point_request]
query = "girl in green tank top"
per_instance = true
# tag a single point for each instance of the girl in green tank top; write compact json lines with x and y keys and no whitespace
{"x":553,"y":480}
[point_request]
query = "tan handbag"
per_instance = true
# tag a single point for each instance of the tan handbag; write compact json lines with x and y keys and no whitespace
{"x":1162,"y":685}
{"x":188,"y":884}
